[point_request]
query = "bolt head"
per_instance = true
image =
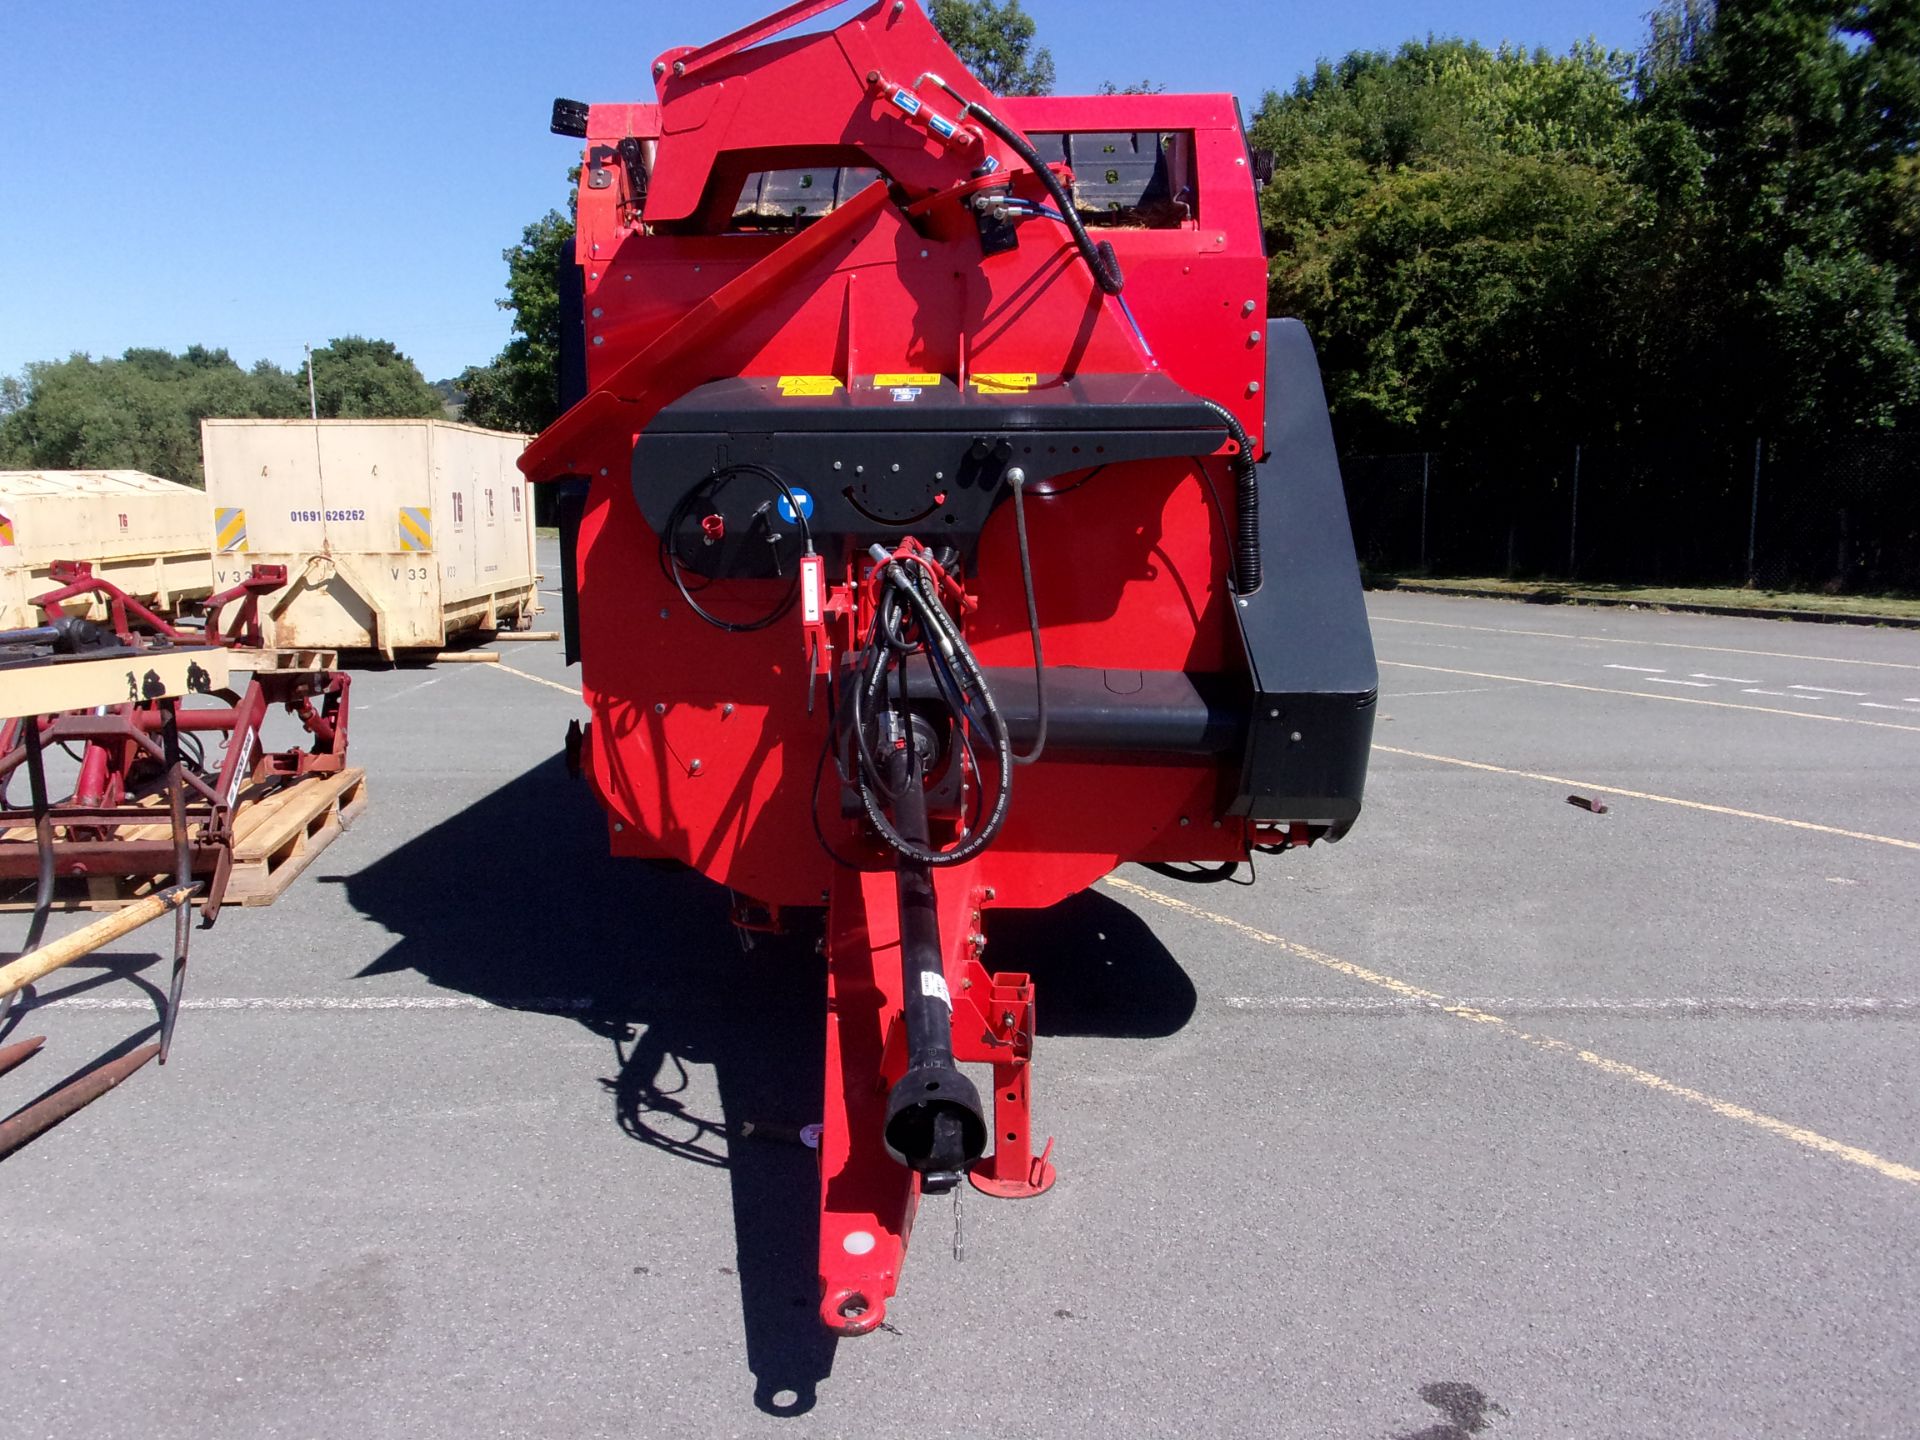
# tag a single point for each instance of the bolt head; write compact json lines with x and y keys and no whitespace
{"x":693,"y":767}
{"x":659,"y":67}
{"x":658,"y":707}
{"x":1247,"y":308}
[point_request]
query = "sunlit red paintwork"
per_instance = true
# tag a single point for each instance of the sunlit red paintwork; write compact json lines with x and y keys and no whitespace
{"x":701,"y":746}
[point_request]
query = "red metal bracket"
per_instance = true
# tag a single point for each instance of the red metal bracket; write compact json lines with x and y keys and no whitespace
{"x":1000,"y":1032}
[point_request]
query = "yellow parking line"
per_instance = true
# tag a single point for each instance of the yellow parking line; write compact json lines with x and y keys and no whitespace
{"x":538,"y":680}
{"x":1725,"y":1109}
{"x":1653,"y":644}
{"x":1657,"y":799}
{"x":1649,"y":695}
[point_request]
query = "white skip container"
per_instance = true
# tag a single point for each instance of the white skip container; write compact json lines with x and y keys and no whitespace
{"x":396,"y":534}
{"x":146,"y":535}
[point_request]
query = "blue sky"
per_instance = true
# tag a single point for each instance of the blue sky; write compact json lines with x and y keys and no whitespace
{"x":256,"y":175}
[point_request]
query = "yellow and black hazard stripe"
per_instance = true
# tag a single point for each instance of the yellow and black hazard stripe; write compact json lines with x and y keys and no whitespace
{"x":416,"y":528}
{"x":229,"y":529}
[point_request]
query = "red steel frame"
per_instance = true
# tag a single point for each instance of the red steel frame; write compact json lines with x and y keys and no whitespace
{"x":702,"y":746}
{"x":82,"y":830}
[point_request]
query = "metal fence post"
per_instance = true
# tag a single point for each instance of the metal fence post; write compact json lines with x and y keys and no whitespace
{"x":1573,"y":516}
{"x":1426,"y":462}
{"x":1753,"y":512}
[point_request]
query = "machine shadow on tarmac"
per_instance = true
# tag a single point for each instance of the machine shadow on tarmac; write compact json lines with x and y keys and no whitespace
{"x":642,"y":956}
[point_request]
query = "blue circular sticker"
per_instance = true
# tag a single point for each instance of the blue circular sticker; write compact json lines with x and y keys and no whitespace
{"x":805,"y":497}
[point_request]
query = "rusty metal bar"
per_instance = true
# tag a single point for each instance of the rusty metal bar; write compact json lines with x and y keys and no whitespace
{"x":20,"y":1052}
{"x":43,"y":1115}
{"x":182,"y":872}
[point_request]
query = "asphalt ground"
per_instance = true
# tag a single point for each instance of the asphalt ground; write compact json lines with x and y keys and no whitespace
{"x":1500,"y":1118}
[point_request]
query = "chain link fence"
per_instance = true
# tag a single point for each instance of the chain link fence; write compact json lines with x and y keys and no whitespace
{"x":1840,"y":515}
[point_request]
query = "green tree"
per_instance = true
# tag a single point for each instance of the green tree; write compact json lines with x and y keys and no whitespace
{"x":1792,"y":195}
{"x":519,"y":389}
{"x":143,"y":410}
{"x":1441,"y":217}
{"x":140,"y":412}
{"x":358,"y":378}
{"x":995,"y":42}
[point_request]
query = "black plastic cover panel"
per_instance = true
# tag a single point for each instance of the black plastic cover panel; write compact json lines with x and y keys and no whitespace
{"x":881,"y":460}
{"x":1308,"y":643}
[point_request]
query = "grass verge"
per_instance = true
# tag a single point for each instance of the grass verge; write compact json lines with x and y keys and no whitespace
{"x":1720,"y":600}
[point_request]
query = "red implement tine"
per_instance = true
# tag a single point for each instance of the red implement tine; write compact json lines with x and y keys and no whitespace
{"x":43,"y":1115}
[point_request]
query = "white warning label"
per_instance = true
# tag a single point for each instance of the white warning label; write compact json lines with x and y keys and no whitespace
{"x":933,"y":983}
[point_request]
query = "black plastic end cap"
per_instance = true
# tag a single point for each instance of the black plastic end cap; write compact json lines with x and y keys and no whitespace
{"x":569,"y":118}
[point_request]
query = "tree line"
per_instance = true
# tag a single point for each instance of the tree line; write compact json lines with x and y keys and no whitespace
{"x":1716,"y":234}
{"x":143,"y":410}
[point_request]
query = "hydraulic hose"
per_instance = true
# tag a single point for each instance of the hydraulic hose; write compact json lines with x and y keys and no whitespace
{"x":1246,"y":503}
{"x":1100,"y":258}
{"x":903,"y":601}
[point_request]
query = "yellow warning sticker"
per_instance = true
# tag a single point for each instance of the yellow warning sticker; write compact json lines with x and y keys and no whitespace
{"x":887,"y":382}
{"x":809,"y":384}
{"x":1006,"y":384}
{"x":229,"y":529}
{"x":416,"y":527}
{"x":6,"y":530}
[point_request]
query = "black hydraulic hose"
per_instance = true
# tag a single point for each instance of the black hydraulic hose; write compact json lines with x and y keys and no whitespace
{"x":938,"y":633}
{"x":1246,"y":503}
{"x":1100,"y":258}
{"x":1033,"y":618}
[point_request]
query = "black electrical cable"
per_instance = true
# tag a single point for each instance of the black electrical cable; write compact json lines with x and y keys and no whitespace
{"x":1100,"y":258}
{"x":675,"y":567}
{"x":1194,"y":873}
{"x":1246,"y":503}
{"x":1033,"y":624}
{"x":891,"y":646}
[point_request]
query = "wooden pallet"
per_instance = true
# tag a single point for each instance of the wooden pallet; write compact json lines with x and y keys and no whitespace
{"x":275,"y":838}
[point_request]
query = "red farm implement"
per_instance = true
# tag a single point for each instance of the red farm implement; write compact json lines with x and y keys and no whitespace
{"x":171,"y":776}
{"x":945,"y":525}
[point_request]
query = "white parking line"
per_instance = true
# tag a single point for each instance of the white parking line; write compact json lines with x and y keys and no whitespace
{"x":561,"y":1003}
{"x":1591,"y":639}
{"x":1677,"y":1007}
{"x":1823,"y":690}
{"x":1781,"y":693}
{"x":1876,"y":705}
{"x":1730,"y":679}
{"x":1662,"y":680}
{"x":1642,"y":669}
